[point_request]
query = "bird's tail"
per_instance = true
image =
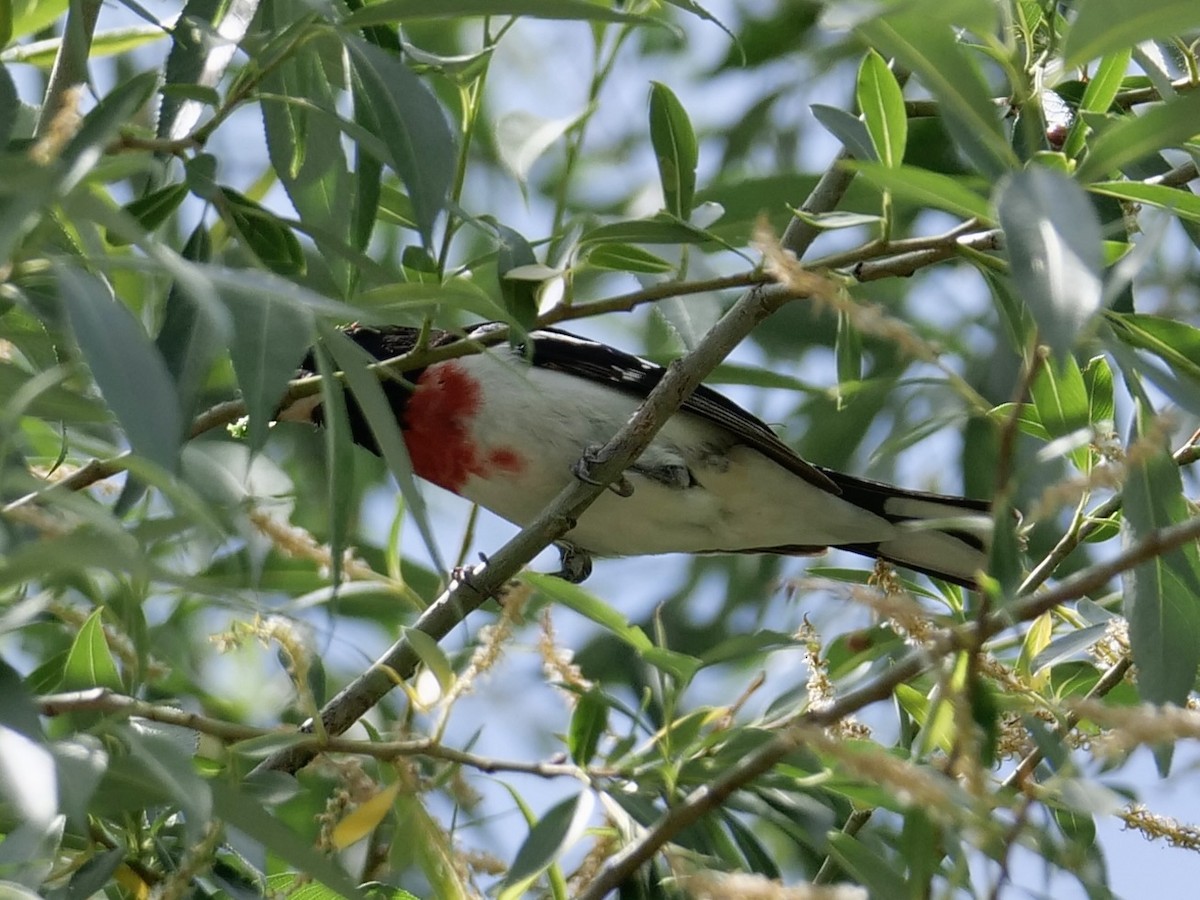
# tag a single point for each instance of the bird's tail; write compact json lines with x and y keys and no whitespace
{"x":942,"y":536}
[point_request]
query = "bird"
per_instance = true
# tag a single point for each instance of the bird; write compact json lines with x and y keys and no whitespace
{"x":506,"y":428}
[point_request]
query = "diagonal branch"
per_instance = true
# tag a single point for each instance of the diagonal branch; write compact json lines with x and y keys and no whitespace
{"x":759,"y":762}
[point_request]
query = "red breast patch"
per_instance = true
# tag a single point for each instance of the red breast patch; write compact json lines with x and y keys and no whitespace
{"x":437,"y":430}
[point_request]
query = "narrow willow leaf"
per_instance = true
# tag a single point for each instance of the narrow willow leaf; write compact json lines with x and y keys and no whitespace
{"x":675,"y":149}
{"x":273,"y":242}
{"x":1097,"y":31}
{"x":522,"y":137}
{"x":924,"y":188}
{"x":849,"y":129}
{"x":1098,"y":379}
{"x":932,"y":52}
{"x":194,"y":331}
{"x":1179,"y":201}
{"x":514,"y":252}
{"x":1060,"y":397}
{"x":659,"y":230}
{"x":155,"y":208}
{"x":1175,"y":343}
{"x":628,"y":258}
{"x":388,"y":12}
{"x":381,"y":419}
{"x":365,"y":817}
{"x":412,"y":126}
{"x":270,"y":336}
{"x":247,"y":814}
{"x":1135,"y":137}
{"x":129,"y":371}
{"x":589,"y":721}
{"x":1054,"y":244}
{"x":90,"y":662}
{"x":558,"y":829}
{"x":882,"y":105}
{"x":1162,"y":594}
{"x":204,"y":41}
{"x":1098,"y":96}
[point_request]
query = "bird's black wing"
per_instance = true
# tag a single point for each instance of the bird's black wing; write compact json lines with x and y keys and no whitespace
{"x":584,"y":358}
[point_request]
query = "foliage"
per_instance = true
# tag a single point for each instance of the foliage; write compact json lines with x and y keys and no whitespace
{"x":163,"y":270}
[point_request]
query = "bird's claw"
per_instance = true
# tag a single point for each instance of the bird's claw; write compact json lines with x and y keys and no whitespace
{"x":582,"y":469}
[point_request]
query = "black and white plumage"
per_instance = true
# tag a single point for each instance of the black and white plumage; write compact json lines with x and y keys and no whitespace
{"x":505,"y":427}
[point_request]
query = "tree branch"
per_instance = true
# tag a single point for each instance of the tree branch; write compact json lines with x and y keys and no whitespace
{"x":105,"y":701}
{"x":753,"y":765}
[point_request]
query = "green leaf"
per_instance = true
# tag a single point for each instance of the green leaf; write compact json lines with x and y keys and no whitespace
{"x":202,"y":48}
{"x":589,"y":721}
{"x":522,"y":137}
{"x":513,"y":251}
{"x":194,"y":331}
{"x":1098,"y":379}
{"x":29,"y":16}
{"x":263,"y":233}
{"x":305,"y":143}
{"x":1101,"y":90}
{"x":932,"y":52}
{"x":1162,"y":594}
{"x":1053,"y":241}
{"x":270,"y":337}
{"x":153,"y":209}
{"x":10,"y":105}
{"x":1175,"y":343}
{"x":128,"y":369}
{"x":1102,"y":26}
{"x":388,"y":12}
{"x":27,"y":781}
{"x":90,"y":663}
{"x":434,"y":658}
{"x":847,"y":348}
{"x":247,"y":814}
{"x":1060,"y":398}
{"x":381,"y":419}
{"x":411,"y":124}
{"x":558,"y":829}
{"x":658,"y":230}
{"x":1133,"y":138}
{"x":41,"y":186}
{"x":675,"y":149}
{"x":106,"y":43}
{"x":882,"y":105}
{"x":576,"y":598}
{"x":1179,"y":201}
{"x":849,"y":129}
{"x":627,"y":258}
{"x":164,"y":762}
{"x":867,"y":867}
{"x":922,"y":187}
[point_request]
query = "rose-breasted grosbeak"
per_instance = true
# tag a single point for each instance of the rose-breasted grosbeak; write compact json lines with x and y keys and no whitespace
{"x":504,"y":428}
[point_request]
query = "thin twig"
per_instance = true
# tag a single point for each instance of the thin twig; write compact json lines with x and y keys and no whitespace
{"x":106,"y":701}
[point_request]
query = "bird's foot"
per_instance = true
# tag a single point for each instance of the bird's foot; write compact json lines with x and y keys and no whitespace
{"x":575,"y":565}
{"x":582,"y":469}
